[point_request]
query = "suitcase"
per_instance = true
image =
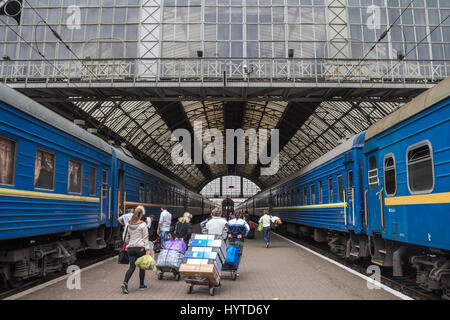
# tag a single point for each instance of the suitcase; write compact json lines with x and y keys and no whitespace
{"x":178,"y":245}
{"x":169,"y":259}
{"x":232,"y":259}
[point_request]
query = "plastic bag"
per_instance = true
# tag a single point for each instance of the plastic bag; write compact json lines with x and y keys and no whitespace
{"x":146,"y":262}
{"x":260,"y":227}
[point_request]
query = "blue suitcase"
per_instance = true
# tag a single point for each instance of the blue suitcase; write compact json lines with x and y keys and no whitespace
{"x":232,"y":259}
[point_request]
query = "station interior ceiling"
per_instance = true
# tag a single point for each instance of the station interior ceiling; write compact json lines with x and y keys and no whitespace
{"x":143,"y":125}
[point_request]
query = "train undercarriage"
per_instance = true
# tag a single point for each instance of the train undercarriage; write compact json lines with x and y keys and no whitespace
{"x":431,"y":267}
{"x":25,"y":259}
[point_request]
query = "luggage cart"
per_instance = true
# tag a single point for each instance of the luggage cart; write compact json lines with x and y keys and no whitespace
{"x":228,"y":267}
{"x":174,"y":271}
{"x":203,"y":281}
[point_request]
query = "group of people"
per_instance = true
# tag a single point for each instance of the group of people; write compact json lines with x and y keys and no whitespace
{"x":139,"y":234}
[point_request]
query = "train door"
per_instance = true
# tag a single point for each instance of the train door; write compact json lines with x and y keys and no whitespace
{"x":121,"y":192}
{"x":349,"y":195}
{"x":105,"y":192}
{"x":374,"y":193}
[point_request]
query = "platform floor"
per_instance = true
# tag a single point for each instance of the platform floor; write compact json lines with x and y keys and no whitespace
{"x":283,"y":271}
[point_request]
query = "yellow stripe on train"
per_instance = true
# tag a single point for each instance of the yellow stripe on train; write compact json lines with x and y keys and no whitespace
{"x":44,"y":195}
{"x":316,"y":206}
{"x":430,"y":198}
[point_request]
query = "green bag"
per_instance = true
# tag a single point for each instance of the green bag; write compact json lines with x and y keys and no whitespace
{"x":146,"y":262}
{"x":260,"y":227}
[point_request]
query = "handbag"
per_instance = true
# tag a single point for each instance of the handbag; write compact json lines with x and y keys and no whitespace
{"x":123,"y":254}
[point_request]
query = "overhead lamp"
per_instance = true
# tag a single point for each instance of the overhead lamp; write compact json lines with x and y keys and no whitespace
{"x":400,"y":56}
{"x":200,"y":53}
{"x":7,"y":58}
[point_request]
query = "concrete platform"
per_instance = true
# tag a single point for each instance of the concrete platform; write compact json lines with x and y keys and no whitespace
{"x":283,"y":271}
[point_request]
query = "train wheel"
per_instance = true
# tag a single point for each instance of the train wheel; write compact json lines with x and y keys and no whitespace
{"x":177,"y":277}
{"x":189,"y":289}
{"x":160,"y":276}
{"x":212,"y":291}
{"x":233,"y":275}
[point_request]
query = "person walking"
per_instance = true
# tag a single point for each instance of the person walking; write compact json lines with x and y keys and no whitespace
{"x":183,"y":228}
{"x":266,"y":220}
{"x":204,"y":222}
{"x":238,"y":230}
{"x":217,"y":225}
{"x":136,"y":237}
{"x":165,"y":220}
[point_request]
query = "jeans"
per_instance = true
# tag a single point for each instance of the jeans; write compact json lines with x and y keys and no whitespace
{"x":266,"y":234}
{"x":134,"y":254}
{"x":164,"y":235}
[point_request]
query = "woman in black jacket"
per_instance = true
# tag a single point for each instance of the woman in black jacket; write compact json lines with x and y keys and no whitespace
{"x":183,"y":228}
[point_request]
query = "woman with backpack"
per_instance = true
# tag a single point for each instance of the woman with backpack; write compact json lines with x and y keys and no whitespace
{"x":136,"y":237}
{"x":183,"y":228}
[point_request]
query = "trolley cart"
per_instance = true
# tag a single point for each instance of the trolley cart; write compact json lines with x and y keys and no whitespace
{"x":169,"y":262}
{"x":174,"y":271}
{"x":233,"y":267}
{"x":203,"y":281}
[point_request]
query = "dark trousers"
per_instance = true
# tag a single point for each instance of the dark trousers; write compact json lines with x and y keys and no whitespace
{"x":134,"y":254}
{"x":266,"y":234}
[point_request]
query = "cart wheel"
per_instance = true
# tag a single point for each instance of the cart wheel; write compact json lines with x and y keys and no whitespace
{"x":160,"y":276}
{"x":233,"y":275}
{"x":189,"y":289}
{"x":212,"y":290}
{"x":177,"y":277}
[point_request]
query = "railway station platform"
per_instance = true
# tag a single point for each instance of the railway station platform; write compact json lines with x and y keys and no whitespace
{"x":285,"y":271}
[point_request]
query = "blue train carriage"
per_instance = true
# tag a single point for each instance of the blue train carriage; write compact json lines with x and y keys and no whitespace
{"x":408,"y":187}
{"x":51,"y":199}
{"x":324,"y":199}
{"x":139,"y":184}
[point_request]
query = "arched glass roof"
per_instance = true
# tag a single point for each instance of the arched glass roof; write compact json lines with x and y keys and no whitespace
{"x":307,"y":130}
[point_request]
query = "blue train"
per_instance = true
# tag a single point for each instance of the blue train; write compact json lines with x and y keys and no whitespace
{"x":62,"y":189}
{"x":384,"y":194}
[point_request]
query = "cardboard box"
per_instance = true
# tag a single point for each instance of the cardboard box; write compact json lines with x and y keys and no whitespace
{"x":216,"y":262}
{"x":207,"y":249}
{"x":198,"y":272}
{"x":209,"y":243}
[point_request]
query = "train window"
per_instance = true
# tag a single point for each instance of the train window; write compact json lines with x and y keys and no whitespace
{"x":350,"y":179}
{"x":104,"y":183}
{"x":165,"y":197}
{"x":292,"y":198}
{"x":340,"y":188}
{"x":141,"y":192}
{"x":7,"y":161}
{"x":305,"y":196}
{"x":149,"y":194}
{"x":373,"y":173}
{"x":320,"y":192}
{"x":313,"y":194}
{"x":44,"y":170}
{"x":298,"y":196}
{"x":420,"y":168}
{"x":330,"y":189}
{"x":92,"y":181}
{"x":74,"y":176}
{"x":390,"y":183}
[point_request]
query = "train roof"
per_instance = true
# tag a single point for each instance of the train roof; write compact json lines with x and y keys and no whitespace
{"x":25,"y":104}
{"x":121,"y":155}
{"x":422,"y":102}
{"x":356,"y":141}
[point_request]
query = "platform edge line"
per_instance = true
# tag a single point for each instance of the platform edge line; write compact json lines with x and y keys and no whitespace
{"x":377,"y":283}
